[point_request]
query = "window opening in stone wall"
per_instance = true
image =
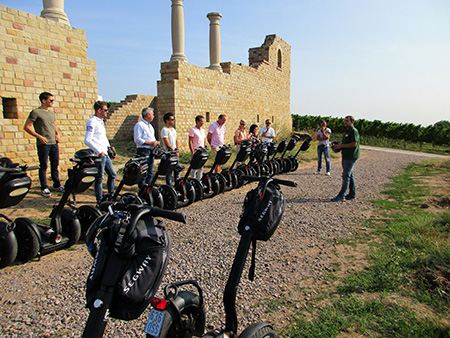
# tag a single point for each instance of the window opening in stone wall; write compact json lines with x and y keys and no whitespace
{"x":273,"y":119}
{"x":9,"y":106}
{"x":257,"y":118}
{"x":207,"y":116}
{"x":279,"y":58}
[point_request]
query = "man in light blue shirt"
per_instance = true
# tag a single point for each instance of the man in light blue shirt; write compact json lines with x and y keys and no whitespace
{"x":144,"y":137}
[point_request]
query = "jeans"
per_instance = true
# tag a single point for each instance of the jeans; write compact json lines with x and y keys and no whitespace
{"x":348,"y":181}
{"x":146,"y":152}
{"x":104,"y":165}
{"x":176,"y":175}
{"x":323,"y":149}
{"x":46,"y":151}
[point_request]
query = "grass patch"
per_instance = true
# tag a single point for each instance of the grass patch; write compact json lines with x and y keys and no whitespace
{"x":409,"y":260}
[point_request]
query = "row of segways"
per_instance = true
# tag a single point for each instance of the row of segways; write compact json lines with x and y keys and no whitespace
{"x":23,"y":239}
{"x":267,"y":159}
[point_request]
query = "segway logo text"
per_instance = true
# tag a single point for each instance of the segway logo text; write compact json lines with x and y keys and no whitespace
{"x":260,"y":218}
{"x":137,"y":275}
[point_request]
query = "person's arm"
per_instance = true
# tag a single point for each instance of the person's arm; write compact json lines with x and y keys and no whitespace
{"x":29,"y":130}
{"x":346,"y":145}
{"x":191,"y":144}
{"x":209,"y":137}
{"x":178,"y":148}
{"x":57,"y":135}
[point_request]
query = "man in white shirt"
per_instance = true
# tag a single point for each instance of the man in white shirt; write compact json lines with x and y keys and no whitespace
{"x":97,"y":141}
{"x":267,"y":132}
{"x":170,"y":141}
{"x":144,"y":137}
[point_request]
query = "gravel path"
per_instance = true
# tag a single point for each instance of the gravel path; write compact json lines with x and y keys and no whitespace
{"x":46,"y":298}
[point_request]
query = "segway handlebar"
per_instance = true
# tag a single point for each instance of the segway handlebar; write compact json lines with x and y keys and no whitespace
{"x":18,"y":169}
{"x":155,"y":212}
{"x":273,"y":180}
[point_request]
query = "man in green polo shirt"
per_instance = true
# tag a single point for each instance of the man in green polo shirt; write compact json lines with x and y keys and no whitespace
{"x":350,"y":153}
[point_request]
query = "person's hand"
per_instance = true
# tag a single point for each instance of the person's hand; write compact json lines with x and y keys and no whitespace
{"x":42,"y":139}
{"x":57,"y":138}
{"x":338,"y":146}
{"x":101,"y":154}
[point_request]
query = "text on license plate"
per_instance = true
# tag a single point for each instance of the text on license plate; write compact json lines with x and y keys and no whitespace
{"x":154,"y":323}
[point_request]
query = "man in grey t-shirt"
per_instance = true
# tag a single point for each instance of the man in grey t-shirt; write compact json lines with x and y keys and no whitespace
{"x":47,"y":139}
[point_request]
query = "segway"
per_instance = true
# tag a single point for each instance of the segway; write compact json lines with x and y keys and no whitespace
{"x":190,"y":189}
{"x":35,"y":240}
{"x":163,"y":196}
{"x":181,"y":312}
{"x":131,"y":251}
{"x":215,"y":183}
{"x":286,"y":163}
{"x":233,"y":176}
{"x":274,"y":168}
{"x":14,"y":186}
{"x":260,"y":167}
{"x":304,"y":147}
{"x":280,"y":149}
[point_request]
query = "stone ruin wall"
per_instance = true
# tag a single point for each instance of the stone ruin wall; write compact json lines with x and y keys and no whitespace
{"x":43,"y":55}
{"x":252,"y":93}
{"x":39,"y":55}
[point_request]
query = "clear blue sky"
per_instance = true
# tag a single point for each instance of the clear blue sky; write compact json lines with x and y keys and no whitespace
{"x":374,"y":59}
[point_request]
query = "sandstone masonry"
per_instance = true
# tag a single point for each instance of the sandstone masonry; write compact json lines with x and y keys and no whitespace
{"x":37,"y":55}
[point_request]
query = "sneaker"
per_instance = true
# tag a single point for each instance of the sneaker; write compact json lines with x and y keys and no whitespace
{"x":338,"y":198}
{"x":60,"y":189}
{"x":328,"y":173}
{"x":348,"y":197}
{"x":45,"y":192}
{"x":317,"y":173}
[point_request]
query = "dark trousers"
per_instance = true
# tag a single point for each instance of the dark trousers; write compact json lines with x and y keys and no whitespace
{"x":46,"y":151}
{"x":141,"y":152}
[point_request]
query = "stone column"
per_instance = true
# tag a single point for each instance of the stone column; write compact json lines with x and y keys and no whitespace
{"x":54,"y":10}
{"x":214,"y":41}
{"x":177,"y":31}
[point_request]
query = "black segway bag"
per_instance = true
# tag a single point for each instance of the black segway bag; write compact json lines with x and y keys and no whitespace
{"x":134,"y":263}
{"x":134,"y":170}
{"x":199,"y":158}
{"x":223,"y":155}
{"x":263,"y":219}
{"x":13,"y":186}
{"x":244,"y":151}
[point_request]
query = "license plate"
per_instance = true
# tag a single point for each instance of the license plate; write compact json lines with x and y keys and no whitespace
{"x":154,"y":323}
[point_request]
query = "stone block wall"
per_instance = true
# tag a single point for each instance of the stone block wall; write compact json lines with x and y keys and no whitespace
{"x":39,"y":55}
{"x":252,"y":93}
{"x":123,"y":116}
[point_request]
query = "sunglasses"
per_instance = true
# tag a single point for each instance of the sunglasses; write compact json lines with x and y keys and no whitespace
{"x":52,"y":100}
{"x":172,"y":119}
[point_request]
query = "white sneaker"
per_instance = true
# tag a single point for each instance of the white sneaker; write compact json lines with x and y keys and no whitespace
{"x":317,"y":173}
{"x":328,"y":173}
{"x":45,"y":192}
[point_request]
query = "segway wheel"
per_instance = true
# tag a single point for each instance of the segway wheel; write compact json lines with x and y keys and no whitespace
{"x":71,"y":227}
{"x":157,"y":199}
{"x":287,"y":165}
{"x":295,"y":164}
{"x":239,"y":173}
{"x":169,"y":196}
{"x":234,"y":179}
{"x":198,"y":187}
{"x":265,"y":170}
{"x":215,"y":185}
{"x":87,"y":214}
{"x":222,"y":182}
{"x":27,"y":240}
{"x":190,"y":192}
{"x":8,"y":247}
